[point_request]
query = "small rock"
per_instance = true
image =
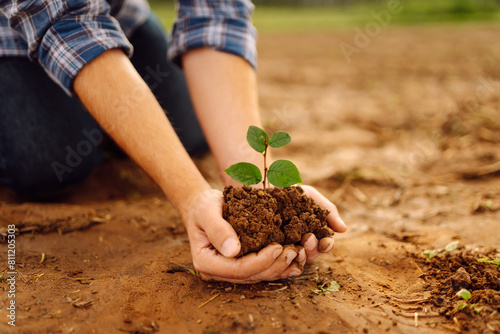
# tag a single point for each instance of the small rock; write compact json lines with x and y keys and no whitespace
{"x":461,"y":279}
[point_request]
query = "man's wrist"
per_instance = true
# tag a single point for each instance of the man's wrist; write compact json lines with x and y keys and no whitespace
{"x":184,"y":199}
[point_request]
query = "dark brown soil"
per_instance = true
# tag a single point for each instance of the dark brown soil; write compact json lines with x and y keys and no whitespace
{"x":447,"y":274}
{"x":282,"y":215}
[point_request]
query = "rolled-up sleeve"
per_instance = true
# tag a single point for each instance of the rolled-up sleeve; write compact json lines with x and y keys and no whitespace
{"x":221,"y":25}
{"x":65,"y":35}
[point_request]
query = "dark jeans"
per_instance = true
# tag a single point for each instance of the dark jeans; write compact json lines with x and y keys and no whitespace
{"x":48,"y":140}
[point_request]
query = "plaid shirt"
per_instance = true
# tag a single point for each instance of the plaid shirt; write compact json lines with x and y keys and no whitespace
{"x":64,"y":35}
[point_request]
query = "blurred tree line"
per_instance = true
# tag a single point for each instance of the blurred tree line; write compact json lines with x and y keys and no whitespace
{"x":457,"y":6}
{"x":331,"y":3}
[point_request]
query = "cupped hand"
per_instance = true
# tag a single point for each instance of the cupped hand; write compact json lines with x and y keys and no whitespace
{"x":311,"y":245}
{"x":214,"y":246}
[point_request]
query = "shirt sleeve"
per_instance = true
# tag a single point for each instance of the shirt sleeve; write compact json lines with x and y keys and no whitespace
{"x":63,"y":36}
{"x":221,"y":25}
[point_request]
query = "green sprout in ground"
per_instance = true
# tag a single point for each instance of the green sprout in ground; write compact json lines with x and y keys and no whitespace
{"x":326,"y":288}
{"x":466,"y":295}
{"x":488,"y":261}
{"x":281,"y":173}
{"x":194,"y":272}
{"x":430,"y":253}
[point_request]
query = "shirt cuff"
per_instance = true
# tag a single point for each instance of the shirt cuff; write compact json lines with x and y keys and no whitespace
{"x":68,"y":45}
{"x":236,"y":36}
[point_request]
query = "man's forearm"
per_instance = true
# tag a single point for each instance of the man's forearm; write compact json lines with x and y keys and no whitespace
{"x":224,"y":92}
{"x":118,"y":98}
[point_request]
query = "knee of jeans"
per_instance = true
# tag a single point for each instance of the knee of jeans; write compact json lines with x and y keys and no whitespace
{"x":45,"y":176}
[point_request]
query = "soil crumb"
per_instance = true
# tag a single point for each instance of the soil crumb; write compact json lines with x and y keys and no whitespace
{"x":282,"y":215}
{"x":477,"y":272}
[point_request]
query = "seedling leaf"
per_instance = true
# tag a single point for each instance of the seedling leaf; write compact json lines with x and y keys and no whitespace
{"x":488,"y":261}
{"x":279,"y":139}
{"x":194,"y":272}
{"x":451,"y":247}
{"x":461,"y":305}
{"x":333,"y":286}
{"x":429,"y":254}
{"x":257,"y":138}
{"x":283,"y":173}
{"x":245,"y":173}
{"x":464,"y":294}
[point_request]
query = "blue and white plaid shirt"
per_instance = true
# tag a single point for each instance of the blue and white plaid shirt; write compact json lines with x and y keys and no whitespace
{"x":65,"y":35}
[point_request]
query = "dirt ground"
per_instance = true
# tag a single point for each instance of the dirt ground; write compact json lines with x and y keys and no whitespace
{"x":404,"y":139}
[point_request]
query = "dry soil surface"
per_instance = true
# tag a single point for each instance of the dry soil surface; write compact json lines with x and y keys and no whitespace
{"x":404,"y":139}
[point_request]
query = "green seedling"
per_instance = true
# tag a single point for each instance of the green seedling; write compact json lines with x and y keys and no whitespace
{"x":488,"y":261}
{"x":194,"y":272}
{"x":450,"y":247}
{"x":430,"y":253}
{"x":461,"y":305}
{"x":475,"y":308}
{"x":466,"y":295}
{"x":281,"y":173}
{"x":326,"y":288}
{"x":487,"y":205}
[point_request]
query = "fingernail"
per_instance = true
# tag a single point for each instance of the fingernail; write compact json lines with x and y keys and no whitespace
{"x":290,"y":256}
{"x":230,"y":247}
{"x":310,"y":244}
{"x":277,"y":253}
{"x":341,"y":222}
{"x":326,"y":248}
{"x":302,"y":255}
{"x":294,"y":273}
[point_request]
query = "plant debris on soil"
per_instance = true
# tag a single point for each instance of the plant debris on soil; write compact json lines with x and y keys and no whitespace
{"x":452,"y":276}
{"x":282,"y":215}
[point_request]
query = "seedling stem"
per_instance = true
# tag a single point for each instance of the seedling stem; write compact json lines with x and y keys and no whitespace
{"x":265,"y":166}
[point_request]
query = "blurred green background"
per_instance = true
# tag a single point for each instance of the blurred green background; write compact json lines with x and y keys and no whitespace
{"x":307,"y":15}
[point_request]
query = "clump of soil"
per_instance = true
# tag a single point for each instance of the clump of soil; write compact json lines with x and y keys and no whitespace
{"x":448,"y":273}
{"x":281,"y":215}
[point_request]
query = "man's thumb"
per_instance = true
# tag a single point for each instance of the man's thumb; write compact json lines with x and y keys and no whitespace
{"x":220,"y":233}
{"x":230,"y":247}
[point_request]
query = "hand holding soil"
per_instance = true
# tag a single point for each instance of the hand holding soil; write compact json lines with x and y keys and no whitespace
{"x":214,"y":244}
{"x":310,"y":242}
{"x":206,"y":230}
{"x":283,"y":215}
{"x":245,"y":243}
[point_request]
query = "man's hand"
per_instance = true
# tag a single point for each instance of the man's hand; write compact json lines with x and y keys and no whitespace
{"x":207,"y":229}
{"x":312,"y":246}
